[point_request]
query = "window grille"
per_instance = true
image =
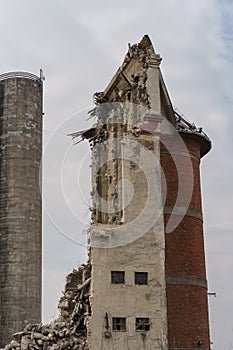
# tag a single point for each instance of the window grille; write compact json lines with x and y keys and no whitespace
{"x":141,"y":278}
{"x":142,"y":324}
{"x":118,"y":277}
{"x":119,"y":324}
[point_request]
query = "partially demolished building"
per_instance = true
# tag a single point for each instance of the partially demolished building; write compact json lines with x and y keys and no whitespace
{"x":148,"y":282}
{"x":68,"y":330}
{"x":144,"y":286}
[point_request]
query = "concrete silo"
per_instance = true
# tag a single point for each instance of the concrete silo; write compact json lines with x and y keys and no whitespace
{"x":20,"y":201}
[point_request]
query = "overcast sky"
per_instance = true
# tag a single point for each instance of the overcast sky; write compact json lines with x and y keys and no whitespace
{"x":79,"y":45}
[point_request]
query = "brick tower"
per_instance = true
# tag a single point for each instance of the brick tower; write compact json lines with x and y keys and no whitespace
{"x":148,"y":286}
{"x":186,"y":285}
{"x":20,"y":202}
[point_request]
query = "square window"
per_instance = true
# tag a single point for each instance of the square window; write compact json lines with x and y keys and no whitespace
{"x":141,"y":277}
{"x":117,"y":277}
{"x":142,"y":324}
{"x":119,"y":324}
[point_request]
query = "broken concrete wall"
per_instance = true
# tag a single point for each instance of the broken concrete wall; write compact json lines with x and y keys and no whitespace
{"x":144,"y":252}
{"x":127,"y":232}
{"x":68,"y":331}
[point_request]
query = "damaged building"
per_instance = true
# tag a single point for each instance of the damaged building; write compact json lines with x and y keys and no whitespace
{"x":144,"y":286}
{"x":148,"y":282}
{"x":68,"y":330}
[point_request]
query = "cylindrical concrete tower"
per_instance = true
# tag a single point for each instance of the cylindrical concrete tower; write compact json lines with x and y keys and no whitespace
{"x":186,"y":285}
{"x":20,"y":201}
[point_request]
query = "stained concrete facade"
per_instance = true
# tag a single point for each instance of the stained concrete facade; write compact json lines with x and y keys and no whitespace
{"x":129,"y":300}
{"x":20,"y":202}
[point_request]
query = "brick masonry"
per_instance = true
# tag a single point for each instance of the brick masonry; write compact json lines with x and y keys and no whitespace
{"x":186,"y":287}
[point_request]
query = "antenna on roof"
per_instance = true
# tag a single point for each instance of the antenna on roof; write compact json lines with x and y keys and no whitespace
{"x":42,"y":77}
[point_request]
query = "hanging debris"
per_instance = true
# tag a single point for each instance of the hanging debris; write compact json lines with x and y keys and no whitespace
{"x":69,"y":330}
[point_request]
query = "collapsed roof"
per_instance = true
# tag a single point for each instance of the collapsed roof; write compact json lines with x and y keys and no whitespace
{"x":138,"y":81}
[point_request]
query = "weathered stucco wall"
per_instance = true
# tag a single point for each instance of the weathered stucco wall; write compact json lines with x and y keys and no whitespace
{"x":127,"y":232}
{"x":143,"y":253}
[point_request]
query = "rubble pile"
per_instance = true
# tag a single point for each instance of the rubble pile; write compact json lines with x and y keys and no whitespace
{"x":69,"y":330}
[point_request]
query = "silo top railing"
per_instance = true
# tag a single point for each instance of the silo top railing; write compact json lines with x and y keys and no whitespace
{"x":26,"y":75}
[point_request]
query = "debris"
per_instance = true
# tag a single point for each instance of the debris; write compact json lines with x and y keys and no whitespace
{"x":69,"y":330}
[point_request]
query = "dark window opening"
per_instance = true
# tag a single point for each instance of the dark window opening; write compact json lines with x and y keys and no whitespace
{"x":118,"y":277}
{"x":141,"y":278}
{"x":142,"y":324}
{"x":119,"y":324}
